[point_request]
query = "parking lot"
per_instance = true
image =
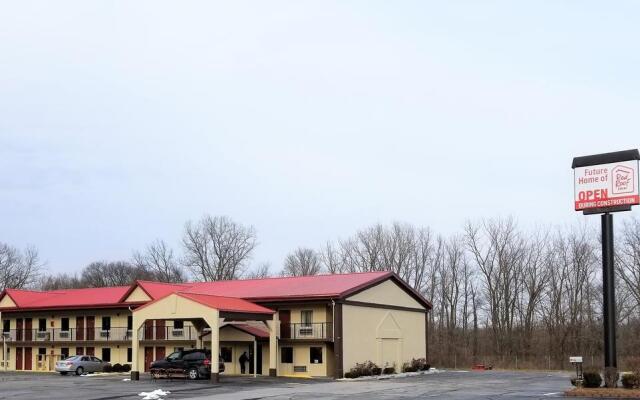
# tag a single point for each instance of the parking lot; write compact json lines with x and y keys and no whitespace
{"x":447,"y":384}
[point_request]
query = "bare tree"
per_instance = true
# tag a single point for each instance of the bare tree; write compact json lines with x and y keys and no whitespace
{"x":18,"y":269}
{"x":158,"y":258}
{"x":217,"y":248}
{"x":628,"y":258}
{"x":118,"y":273}
{"x":60,"y":281}
{"x":302,"y":262}
{"x":260,"y":272}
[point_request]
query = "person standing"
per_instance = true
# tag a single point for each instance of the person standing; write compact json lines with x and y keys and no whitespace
{"x":243,"y":360}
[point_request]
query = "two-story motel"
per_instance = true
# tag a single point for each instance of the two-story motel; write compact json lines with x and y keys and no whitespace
{"x":314,"y":326}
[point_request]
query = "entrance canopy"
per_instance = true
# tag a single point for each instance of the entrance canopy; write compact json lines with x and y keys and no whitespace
{"x":201,"y":310}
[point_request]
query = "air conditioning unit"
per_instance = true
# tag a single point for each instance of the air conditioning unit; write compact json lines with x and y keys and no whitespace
{"x":42,"y":335}
{"x":63,"y":334}
{"x":104,"y":334}
{"x":305,"y":330}
{"x":177,"y":332}
{"x":6,"y":335}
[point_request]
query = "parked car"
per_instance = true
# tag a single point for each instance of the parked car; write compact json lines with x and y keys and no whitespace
{"x":194,"y":364}
{"x":80,"y":364}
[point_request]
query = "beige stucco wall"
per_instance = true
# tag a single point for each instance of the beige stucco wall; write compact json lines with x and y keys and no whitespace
{"x":320,"y":313}
{"x":386,"y":337}
{"x":387,"y":292}
{"x":137,"y":295}
{"x":7,"y":302}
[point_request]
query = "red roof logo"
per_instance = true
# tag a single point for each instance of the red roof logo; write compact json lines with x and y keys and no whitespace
{"x":622,"y":180}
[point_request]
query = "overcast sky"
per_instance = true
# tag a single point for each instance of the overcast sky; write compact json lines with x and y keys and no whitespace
{"x":121,"y":120}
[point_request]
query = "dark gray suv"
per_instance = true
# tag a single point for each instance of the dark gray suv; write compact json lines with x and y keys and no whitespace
{"x":194,"y":364}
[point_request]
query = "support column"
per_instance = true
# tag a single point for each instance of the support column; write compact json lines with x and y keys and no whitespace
{"x":135,"y":373}
{"x":214,"y":323}
{"x":273,"y":345}
{"x":338,"y":349}
{"x":609,"y":302}
{"x":255,"y":358}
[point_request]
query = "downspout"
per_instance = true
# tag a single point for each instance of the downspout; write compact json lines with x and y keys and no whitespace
{"x":333,"y":319}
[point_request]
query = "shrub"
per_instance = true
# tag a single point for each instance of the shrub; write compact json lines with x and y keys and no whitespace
{"x":592,"y":378}
{"x":389,"y":370}
{"x":126,"y":368}
{"x":107,"y":368}
{"x":117,"y":367}
{"x":351,"y":375}
{"x":420,"y":364}
{"x":365,"y":369}
{"x":409,"y":367}
{"x":376,"y":371}
{"x":631,"y":380}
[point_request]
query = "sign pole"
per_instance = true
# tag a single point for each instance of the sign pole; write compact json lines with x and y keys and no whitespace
{"x":603,"y":184}
{"x":609,"y":296}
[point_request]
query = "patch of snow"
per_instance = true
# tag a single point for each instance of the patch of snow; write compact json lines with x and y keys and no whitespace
{"x":126,"y":379}
{"x":393,"y":376}
{"x":155,"y":395}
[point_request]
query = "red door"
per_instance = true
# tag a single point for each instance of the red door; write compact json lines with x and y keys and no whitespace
{"x":79,"y":329}
{"x":18,"y":358}
{"x":91,"y":351}
{"x":28,"y":359}
{"x":91,"y":324}
{"x":160,"y":353}
{"x":19,"y":333}
{"x":28,"y":330}
{"x":148,"y":358}
{"x":160,"y":330}
{"x":148,"y":329}
{"x":285,"y":324}
{"x":79,"y":351}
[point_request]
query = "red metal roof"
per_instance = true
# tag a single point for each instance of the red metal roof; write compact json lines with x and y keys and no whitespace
{"x":281,"y":288}
{"x":67,"y":298}
{"x":231,"y":304}
{"x":269,"y":289}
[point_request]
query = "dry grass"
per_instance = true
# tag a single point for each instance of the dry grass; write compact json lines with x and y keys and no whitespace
{"x":619,"y":393}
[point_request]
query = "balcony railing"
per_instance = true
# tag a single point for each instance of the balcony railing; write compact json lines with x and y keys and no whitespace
{"x":315,"y":331}
{"x":69,"y":335}
{"x":113,"y":334}
{"x":167,"y":333}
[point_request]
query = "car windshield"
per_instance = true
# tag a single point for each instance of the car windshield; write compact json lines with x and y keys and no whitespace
{"x":73,"y":358}
{"x":174,"y":356}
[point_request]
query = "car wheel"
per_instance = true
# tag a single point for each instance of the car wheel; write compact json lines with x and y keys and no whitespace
{"x":79,"y":371}
{"x":63,"y":373}
{"x":193,"y":374}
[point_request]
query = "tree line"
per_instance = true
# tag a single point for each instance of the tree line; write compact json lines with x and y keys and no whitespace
{"x":501,"y":294}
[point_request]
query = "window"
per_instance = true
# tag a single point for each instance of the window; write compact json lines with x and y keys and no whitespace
{"x":129,"y":354}
{"x":42,"y":324}
{"x":178,"y":324}
{"x":286,"y":355}
{"x":42,"y":352}
{"x":5,"y":325}
{"x":174,"y":356}
{"x":106,"y":324}
{"x":64,"y":324}
{"x":129,"y":322}
{"x":96,"y":359}
{"x":64,"y":352}
{"x":225,"y":354}
{"x":196,"y":355}
{"x":315,"y":355}
{"x":85,"y":358}
{"x":306,"y":317}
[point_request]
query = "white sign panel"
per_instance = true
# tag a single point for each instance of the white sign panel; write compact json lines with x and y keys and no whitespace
{"x":575,"y":359}
{"x":606,"y":185}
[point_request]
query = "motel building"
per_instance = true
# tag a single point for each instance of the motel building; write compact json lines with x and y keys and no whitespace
{"x":317,"y":326}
